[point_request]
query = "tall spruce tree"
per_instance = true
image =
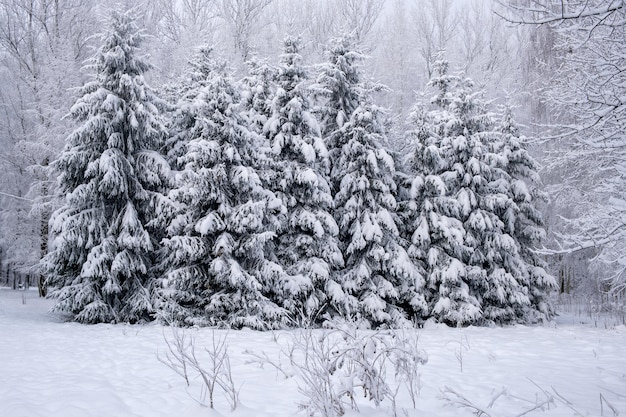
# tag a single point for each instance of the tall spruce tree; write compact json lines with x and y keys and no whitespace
{"x":463,"y":205}
{"x":218,"y":272}
{"x":494,"y":270}
{"x":103,"y":250}
{"x":258,"y":90}
{"x":381,"y":284}
{"x":432,"y":223}
{"x":306,"y":244}
{"x":182,"y":95}
{"x":341,"y":90}
{"x":524,"y":220}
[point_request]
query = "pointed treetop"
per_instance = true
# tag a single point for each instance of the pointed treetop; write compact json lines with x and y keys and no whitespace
{"x":120,"y":43}
{"x":291,"y":72}
{"x":201,"y":64}
{"x":442,"y":80}
{"x":508,"y":125}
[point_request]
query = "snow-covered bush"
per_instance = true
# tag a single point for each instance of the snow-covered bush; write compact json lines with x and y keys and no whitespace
{"x":335,"y":366}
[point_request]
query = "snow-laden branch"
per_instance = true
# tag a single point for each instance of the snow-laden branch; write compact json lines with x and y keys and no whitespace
{"x":592,"y":242}
{"x":16,"y":197}
{"x":600,"y":12}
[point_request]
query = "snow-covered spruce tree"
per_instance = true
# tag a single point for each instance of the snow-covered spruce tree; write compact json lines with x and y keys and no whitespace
{"x":495,"y":271}
{"x":182,"y":114}
{"x":103,"y":250}
{"x":306,"y":244}
{"x":433,"y":226}
{"x":258,"y":90}
{"x":524,"y":220}
{"x":462,"y":177}
{"x":182,"y":94}
{"x":381,"y":284}
{"x":218,"y":271}
{"x":341,"y":90}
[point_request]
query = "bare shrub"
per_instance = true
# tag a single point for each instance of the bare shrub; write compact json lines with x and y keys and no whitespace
{"x":541,"y":403}
{"x":335,"y":366}
{"x":215,"y":373}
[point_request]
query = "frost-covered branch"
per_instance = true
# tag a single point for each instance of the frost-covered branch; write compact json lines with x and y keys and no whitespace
{"x":540,"y":13}
{"x":16,"y":197}
{"x":182,"y":358}
{"x":455,"y":398}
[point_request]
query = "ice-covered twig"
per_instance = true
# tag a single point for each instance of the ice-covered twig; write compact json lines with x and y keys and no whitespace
{"x":174,"y":358}
{"x":262,"y":359}
{"x":182,"y":359}
{"x":568,"y":403}
{"x":603,"y":401}
{"x":454,"y":398}
{"x":495,"y":397}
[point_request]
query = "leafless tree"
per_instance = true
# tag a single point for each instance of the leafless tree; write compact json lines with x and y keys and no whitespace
{"x":587,"y":94}
{"x":360,"y":17}
{"x":42,"y":45}
{"x":434,"y":24}
{"x":242,"y":18}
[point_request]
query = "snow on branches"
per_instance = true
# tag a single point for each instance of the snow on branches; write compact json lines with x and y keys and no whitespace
{"x":272,"y":203}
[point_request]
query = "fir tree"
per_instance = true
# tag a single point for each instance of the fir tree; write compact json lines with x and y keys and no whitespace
{"x":464,"y":178}
{"x":381,"y":283}
{"x":341,"y":90}
{"x":384,"y":284}
{"x":258,"y":90}
{"x":525,"y":222}
{"x":494,"y":266}
{"x":218,"y":273}
{"x":182,"y":94}
{"x":432,"y":224}
{"x":306,"y":244}
{"x":110,"y":174}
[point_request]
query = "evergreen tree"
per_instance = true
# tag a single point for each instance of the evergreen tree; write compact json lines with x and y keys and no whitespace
{"x":340,"y":87}
{"x":306,"y":244}
{"x":525,"y":222}
{"x":182,"y":95}
{"x":258,"y":90}
{"x":381,"y":283}
{"x":494,"y":266}
{"x":463,"y":177}
{"x":218,"y":273}
{"x":103,"y":250}
{"x":432,"y":224}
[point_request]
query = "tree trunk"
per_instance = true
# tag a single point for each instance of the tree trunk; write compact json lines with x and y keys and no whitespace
{"x":43,"y":232}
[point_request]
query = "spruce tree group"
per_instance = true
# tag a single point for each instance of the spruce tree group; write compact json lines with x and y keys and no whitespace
{"x":273,"y":202}
{"x":468,"y":207}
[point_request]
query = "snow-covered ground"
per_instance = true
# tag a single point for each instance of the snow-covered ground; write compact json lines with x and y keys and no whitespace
{"x":56,"y":369}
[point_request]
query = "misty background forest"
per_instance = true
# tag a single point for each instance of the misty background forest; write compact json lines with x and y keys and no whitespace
{"x":547,"y":75}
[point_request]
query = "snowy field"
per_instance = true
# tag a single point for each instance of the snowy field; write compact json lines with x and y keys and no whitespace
{"x":51,"y":368}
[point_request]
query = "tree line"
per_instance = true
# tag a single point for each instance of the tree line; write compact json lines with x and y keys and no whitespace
{"x":273,"y":201}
